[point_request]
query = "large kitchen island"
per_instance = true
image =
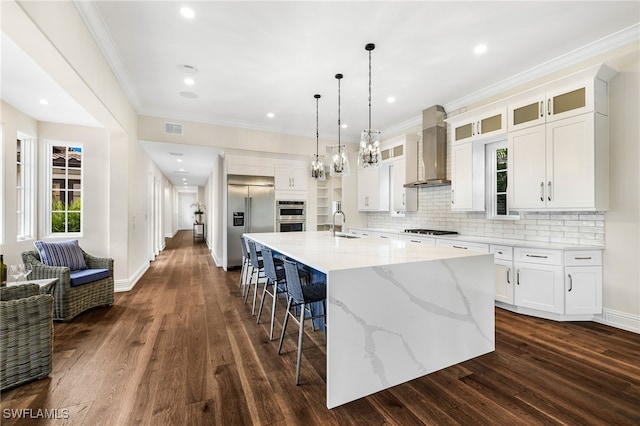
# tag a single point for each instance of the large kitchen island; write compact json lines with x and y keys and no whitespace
{"x":396,"y":310}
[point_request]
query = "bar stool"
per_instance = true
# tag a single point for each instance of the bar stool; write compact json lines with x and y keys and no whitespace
{"x":246,"y":264}
{"x":301,"y":296}
{"x":274,"y":271}
{"x":275,"y":278}
{"x":257,"y":271}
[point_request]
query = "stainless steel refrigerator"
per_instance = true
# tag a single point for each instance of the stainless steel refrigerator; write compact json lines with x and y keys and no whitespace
{"x":250,"y":208}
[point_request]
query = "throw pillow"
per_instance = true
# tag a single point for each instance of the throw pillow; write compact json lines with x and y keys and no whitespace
{"x":61,"y":253}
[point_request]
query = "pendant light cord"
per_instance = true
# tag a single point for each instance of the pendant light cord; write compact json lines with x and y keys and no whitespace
{"x":369,"y":47}
{"x":317,"y":133}
{"x":339,"y":77}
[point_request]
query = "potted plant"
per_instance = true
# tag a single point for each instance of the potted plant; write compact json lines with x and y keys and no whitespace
{"x":199,"y":211}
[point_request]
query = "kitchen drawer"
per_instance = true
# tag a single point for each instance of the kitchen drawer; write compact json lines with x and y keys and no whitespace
{"x":540,"y":256}
{"x":359,"y":232}
{"x":465,"y":245}
{"x":501,"y":252}
{"x":418,"y":239}
{"x":583,"y":258}
{"x":385,"y":235}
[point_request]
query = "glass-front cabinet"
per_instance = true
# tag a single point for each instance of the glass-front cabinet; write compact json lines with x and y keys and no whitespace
{"x":478,"y":125}
{"x":555,"y":104}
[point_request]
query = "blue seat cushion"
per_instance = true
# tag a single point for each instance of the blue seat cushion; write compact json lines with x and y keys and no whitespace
{"x":84,"y":276}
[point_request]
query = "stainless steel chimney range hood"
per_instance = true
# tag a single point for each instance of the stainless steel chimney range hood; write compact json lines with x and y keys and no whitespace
{"x":434,"y":149}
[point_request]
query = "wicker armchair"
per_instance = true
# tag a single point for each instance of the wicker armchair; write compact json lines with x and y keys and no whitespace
{"x":70,"y":301}
{"x":26,"y":334}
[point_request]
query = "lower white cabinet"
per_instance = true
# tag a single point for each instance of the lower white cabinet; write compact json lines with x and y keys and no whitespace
{"x":539,"y":286}
{"x":583,"y":282}
{"x":464,"y":245}
{"x":430,"y":241}
{"x":503,"y":260}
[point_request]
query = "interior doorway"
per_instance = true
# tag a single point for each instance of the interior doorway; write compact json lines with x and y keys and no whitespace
{"x":186,"y":219}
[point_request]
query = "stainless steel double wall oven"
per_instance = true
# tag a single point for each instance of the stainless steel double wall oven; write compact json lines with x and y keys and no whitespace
{"x":290,"y":216}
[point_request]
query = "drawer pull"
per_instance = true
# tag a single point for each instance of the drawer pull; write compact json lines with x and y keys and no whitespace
{"x":383,"y":236}
{"x":415,"y":241}
{"x":508,"y":275}
{"x":539,"y":256}
{"x":499,"y":252}
{"x":518,"y":277}
{"x":583,"y":258}
{"x":460,"y":247}
{"x":570,"y":282}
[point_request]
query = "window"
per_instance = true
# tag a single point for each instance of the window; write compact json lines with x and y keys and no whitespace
{"x":25,"y":187}
{"x":65,"y":190}
{"x":497,"y":167}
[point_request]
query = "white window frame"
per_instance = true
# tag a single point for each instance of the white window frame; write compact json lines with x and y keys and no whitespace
{"x":491,"y":170}
{"x":26,"y":188}
{"x":49,"y":189}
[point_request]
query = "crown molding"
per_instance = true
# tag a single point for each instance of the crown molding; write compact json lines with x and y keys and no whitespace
{"x":95,"y":24}
{"x":588,"y":51}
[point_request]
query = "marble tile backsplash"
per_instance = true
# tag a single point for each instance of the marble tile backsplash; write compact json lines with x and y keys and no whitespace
{"x":434,"y":212}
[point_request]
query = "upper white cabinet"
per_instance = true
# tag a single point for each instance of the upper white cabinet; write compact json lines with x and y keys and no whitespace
{"x":478,"y":124}
{"x":401,"y":156}
{"x":291,"y":180}
{"x":562,"y":165}
{"x":559,"y":145}
{"x":558,"y":103}
{"x":373,"y":188}
{"x":467,"y":177}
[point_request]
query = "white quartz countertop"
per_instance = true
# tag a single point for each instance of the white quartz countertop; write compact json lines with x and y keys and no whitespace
{"x":324,"y":252}
{"x":491,"y":240}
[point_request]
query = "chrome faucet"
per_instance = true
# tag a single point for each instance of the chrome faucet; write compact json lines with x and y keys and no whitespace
{"x":338,"y":211}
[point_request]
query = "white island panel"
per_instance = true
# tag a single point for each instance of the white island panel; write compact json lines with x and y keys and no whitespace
{"x":391,"y":324}
{"x":395,"y":310}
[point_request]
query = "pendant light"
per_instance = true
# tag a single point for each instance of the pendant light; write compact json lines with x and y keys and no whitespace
{"x":340,"y":161}
{"x":369,"y":152}
{"x":317,"y":163}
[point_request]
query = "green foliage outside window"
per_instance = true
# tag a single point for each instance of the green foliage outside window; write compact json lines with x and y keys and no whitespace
{"x":63,"y":221}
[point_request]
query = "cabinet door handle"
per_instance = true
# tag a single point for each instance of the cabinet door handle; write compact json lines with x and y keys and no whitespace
{"x":383,"y":236}
{"x":518,"y":277}
{"x":508,"y":275}
{"x":542,"y":191}
{"x":583,"y":258}
{"x":478,"y":129}
{"x":452,"y":196}
{"x":403,"y":199}
{"x":539,"y":256}
{"x":499,"y":252}
{"x":549,"y":106}
{"x":570,"y":282}
{"x":415,"y":241}
{"x":473,"y":129}
{"x":541,"y":109}
{"x":460,"y":247}
{"x":549,"y":191}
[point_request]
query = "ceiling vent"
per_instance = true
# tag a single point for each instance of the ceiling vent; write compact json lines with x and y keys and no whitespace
{"x":173,"y":128}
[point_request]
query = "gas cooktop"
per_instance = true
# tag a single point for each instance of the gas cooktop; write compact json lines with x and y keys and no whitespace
{"x":429,"y":232}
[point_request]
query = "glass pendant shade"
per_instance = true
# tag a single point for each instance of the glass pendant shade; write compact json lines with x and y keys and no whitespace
{"x":369,"y":152}
{"x":340,"y":164}
{"x":340,"y":161}
{"x":317,"y":160}
{"x":317,"y":167}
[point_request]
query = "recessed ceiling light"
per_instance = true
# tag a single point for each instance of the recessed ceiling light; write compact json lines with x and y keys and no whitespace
{"x":189,"y":81}
{"x":344,"y":126}
{"x":391,"y":99}
{"x":44,"y":102}
{"x":270,"y":115}
{"x":179,"y":160}
{"x":187,"y":12}
{"x":188,"y":69}
{"x":480,"y":49}
{"x":184,"y":179}
{"x":189,"y":95}
{"x":182,"y":170}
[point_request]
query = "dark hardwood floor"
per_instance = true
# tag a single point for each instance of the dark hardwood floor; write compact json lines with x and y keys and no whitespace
{"x":183,"y":349}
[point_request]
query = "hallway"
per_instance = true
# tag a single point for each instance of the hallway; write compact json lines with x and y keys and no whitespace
{"x":182,"y":348}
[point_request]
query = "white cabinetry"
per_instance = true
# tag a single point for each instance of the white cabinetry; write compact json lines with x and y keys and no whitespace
{"x":467,"y":177}
{"x":539,"y":279}
{"x":478,"y":124}
{"x":430,"y":241}
{"x":463,"y":245}
{"x":562,"y":165}
{"x":291,"y":180}
{"x":503,"y":260}
{"x":539,"y":107}
{"x":583,"y":282}
{"x":373,"y":188}
{"x":400,"y":155}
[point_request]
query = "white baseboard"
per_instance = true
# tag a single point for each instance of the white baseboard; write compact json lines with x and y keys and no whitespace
{"x":129,"y":284}
{"x":619,"y":319}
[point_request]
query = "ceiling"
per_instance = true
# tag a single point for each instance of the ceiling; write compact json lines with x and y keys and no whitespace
{"x":255,"y":58}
